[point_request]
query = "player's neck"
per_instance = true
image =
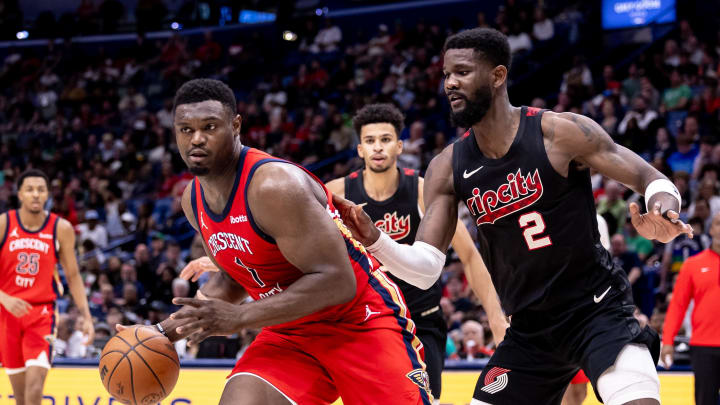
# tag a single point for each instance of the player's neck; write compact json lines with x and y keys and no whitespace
{"x":491,"y":133}
{"x":30,"y":220}
{"x":218,"y":186}
{"x":381,"y":186}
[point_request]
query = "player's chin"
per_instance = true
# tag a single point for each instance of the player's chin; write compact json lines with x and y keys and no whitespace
{"x":198,"y":170}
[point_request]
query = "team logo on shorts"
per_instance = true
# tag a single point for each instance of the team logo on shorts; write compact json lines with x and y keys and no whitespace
{"x":420,"y":378}
{"x":495,"y":380}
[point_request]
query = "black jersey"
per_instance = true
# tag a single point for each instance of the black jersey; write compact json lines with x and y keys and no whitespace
{"x":537,"y":229}
{"x":399,"y":217}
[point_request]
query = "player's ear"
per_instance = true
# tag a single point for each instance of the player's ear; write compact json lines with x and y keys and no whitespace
{"x":237,"y":124}
{"x":499,"y":76}
{"x":399,"y":146}
{"x":360,"y":150}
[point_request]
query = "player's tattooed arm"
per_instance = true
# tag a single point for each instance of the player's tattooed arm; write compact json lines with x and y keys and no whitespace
{"x":437,"y":226}
{"x":581,"y":139}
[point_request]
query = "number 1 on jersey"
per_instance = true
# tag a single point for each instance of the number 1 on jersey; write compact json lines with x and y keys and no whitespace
{"x":252,"y":272}
{"x":533,"y":225}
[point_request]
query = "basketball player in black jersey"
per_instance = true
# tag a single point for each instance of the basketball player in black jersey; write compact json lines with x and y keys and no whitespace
{"x":523,"y":174}
{"x":392,"y":197}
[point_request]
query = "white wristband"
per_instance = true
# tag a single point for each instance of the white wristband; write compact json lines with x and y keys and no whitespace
{"x":661,"y":185}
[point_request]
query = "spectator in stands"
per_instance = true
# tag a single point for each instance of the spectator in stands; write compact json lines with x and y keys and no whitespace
{"x":92,"y":230}
{"x":518,"y":40}
{"x":613,"y":204}
{"x":642,"y":247}
{"x":683,"y":160}
{"x":640,"y":113}
{"x":543,"y":28}
{"x":180,"y":289}
{"x":677,"y":96}
{"x":172,"y":256}
{"x":473,"y":341}
{"x":698,"y":281}
{"x":411,"y":156}
{"x":327,"y":39}
{"x":128,"y":275}
{"x":675,"y":254}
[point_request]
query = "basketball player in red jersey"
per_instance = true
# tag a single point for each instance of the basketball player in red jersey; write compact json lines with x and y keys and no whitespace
{"x":393,"y":198}
{"x":32,"y":243}
{"x":333,"y":324}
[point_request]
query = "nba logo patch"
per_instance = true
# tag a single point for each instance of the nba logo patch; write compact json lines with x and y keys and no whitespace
{"x":420,"y":378}
{"x":495,"y":380}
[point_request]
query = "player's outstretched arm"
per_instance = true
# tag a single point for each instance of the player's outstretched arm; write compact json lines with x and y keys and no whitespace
{"x":476,"y":274}
{"x":421,"y":263}
{"x":575,"y":137}
{"x":66,"y":237}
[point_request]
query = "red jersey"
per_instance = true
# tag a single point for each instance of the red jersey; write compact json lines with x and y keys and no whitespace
{"x":699,"y":280}
{"x":252,"y":258}
{"x":28,"y":261}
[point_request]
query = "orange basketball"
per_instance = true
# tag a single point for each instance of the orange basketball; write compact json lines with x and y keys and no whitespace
{"x":139,"y":366}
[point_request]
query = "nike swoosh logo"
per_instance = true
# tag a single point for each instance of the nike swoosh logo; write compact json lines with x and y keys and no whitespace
{"x":600,"y":298}
{"x":467,"y":175}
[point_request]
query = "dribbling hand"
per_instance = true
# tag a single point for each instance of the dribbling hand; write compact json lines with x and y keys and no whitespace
{"x":653,"y":225}
{"x":357,"y":221}
{"x":197,"y":268}
{"x":202,"y":318}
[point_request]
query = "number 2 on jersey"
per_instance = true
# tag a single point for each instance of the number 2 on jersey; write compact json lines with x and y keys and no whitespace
{"x":28,"y":263}
{"x":533,"y":225}
{"x":252,"y":272}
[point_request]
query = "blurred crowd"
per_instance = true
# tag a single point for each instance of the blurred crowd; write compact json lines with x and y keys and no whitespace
{"x":100,"y":124}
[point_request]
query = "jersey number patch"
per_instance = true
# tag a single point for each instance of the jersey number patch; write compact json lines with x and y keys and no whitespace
{"x":28,"y":263}
{"x":533,"y":225}
{"x":252,"y":272}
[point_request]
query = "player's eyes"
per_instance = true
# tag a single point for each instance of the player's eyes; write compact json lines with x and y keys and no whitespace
{"x":210,"y":127}
{"x":186,"y":130}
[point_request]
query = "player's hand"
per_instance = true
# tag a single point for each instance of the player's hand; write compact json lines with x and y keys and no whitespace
{"x":653,"y":225}
{"x":88,"y":329}
{"x":667,"y":355}
{"x":498,"y":329}
{"x":16,"y":306}
{"x":202,"y":318}
{"x":197,"y":268}
{"x":357,"y":221}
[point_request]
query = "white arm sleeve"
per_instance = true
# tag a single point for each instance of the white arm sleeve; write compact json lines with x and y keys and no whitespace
{"x":419,"y":264}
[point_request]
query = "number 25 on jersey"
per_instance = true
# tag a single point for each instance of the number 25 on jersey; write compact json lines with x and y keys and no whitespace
{"x":533,"y":226}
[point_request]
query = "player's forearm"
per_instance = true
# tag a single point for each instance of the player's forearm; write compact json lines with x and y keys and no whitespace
{"x":419,"y":264}
{"x":77,"y":291}
{"x":311,"y":293}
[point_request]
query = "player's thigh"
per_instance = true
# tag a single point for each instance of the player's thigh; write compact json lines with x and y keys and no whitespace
{"x":375,"y":364}
{"x":274,"y":363}
{"x":11,"y":343}
{"x":632,"y":377}
{"x":249,"y":389}
{"x":521,"y":373}
{"x":39,"y":334}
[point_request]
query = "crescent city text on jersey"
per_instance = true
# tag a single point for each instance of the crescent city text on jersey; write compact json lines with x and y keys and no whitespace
{"x":29,"y":243}
{"x":224,"y":240}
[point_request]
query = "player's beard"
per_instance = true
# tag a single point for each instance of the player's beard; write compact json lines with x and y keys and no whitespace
{"x":199,"y":170}
{"x":475,"y":108}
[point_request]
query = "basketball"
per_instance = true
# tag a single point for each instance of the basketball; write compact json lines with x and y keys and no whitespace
{"x":139,"y":366}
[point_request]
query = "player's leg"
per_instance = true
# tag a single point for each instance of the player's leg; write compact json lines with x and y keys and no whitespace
{"x":575,"y":394}
{"x":372,"y":362}
{"x":11,"y":348}
{"x":249,"y":389}
{"x":275,"y":370}
{"x":17,"y":381}
{"x":577,"y":390}
{"x":522,"y":372}
{"x":39,"y":334}
{"x":632,"y":379}
{"x":706,"y":367}
{"x":434,"y":345}
{"x":34,"y":383}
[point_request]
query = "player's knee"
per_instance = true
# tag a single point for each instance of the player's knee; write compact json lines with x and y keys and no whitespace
{"x":632,"y":378}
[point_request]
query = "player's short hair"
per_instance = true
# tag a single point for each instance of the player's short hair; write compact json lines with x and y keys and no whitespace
{"x":198,"y":90}
{"x":489,"y":44}
{"x":379,"y":113}
{"x":32,"y":173}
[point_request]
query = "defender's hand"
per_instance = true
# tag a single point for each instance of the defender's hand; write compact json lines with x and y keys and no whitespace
{"x":16,"y":306}
{"x":197,"y":268}
{"x":653,"y":225}
{"x":201,"y":319}
{"x":357,"y":221}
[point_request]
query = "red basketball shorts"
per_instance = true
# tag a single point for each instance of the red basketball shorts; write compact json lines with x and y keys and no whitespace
{"x":580,"y":378}
{"x":27,"y":341}
{"x":372,"y":363}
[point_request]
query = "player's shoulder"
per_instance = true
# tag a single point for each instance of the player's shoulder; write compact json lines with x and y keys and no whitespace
{"x":64,"y":229}
{"x":3,"y":224}
{"x":279,"y":182}
{"x":701,"y":259}
{"x":337,"y":186}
